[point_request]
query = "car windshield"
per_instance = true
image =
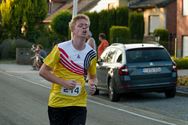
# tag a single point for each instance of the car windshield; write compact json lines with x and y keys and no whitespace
{"x":147,"y":55}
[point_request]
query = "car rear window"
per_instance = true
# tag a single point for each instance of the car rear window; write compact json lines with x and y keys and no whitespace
{"x":147,"y":55}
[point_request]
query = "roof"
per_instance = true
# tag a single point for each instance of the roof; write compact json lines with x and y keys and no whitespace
{"x":89,"y":5}
{"x":140,"y":45}
{"x":83,"y":5}
{"x":59,"y":1}
{"x":67,"y":6}
{"x":149,"y":3}
{"x":137,"y":45}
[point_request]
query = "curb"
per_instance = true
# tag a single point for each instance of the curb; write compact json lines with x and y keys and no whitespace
{"x":182,"y":90}
{"x":181,"y":93}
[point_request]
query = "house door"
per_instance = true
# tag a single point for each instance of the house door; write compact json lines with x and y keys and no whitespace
{"x":154,"y":22}
{"x":185,"y":46}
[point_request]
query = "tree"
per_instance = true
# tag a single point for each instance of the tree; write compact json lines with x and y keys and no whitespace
{"x":25,"y":14}
{"x":60,"y":24}
{"x":1,"y":31}
{"x":5,"y":12}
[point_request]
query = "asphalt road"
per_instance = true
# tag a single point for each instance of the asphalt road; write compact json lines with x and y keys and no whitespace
{"x":24,"y":95}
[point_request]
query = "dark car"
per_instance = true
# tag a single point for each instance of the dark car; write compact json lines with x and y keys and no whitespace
{"x":126,"y":68}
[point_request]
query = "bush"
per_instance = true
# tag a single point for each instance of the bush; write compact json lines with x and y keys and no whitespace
{"x":94,"y":19}
{"x":119,"y":34}
{"x":8,"y":47}
{"x":60,"y":24}
{"x":182,"y":63}
{"x":163,"y":34}
{"x":183,"y":81}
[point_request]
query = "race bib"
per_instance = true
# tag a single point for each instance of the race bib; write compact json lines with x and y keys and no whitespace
{"x":74,"y":92}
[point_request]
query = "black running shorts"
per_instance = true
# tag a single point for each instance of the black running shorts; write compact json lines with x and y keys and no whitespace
{"x":67,"y":115}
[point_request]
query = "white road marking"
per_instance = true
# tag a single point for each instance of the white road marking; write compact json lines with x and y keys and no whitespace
{"x":22,"y":72}
{"x":25,"y":80}
{"x":132,"y":113}
{"x":98,"y":103}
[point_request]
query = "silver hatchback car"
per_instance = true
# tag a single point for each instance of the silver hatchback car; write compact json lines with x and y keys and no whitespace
{"x":126,"y":68}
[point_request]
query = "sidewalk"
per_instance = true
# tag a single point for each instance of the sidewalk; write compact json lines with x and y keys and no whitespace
{"x":181,"y":90}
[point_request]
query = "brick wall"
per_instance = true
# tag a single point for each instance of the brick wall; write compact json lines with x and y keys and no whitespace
{"x":171,"y":25}
{"x":171,"y":17}
{"x":182,"y":26}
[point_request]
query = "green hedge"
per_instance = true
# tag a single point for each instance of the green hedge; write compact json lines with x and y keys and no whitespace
{"x":119,"y":34}
{"x":122,"y":16}
{"x":163,"y":34}
{"x":136,"y":25}
{"x":8,"y":47}
{"x":182,"y":63}
{"x":104,"y":20}
{"x":94,"y":19}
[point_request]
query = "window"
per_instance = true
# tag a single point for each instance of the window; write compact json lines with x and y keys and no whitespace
{"x":154,"y":22}
{"x":185,"y":46}
{"x":147,"y":55}
{"x":185,"y":7}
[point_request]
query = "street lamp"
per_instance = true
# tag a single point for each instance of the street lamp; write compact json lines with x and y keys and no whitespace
{"x":74,"y":11}
{"x":75,"y":8}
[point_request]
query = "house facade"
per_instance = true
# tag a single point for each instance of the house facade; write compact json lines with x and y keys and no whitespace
{"x":54,"y":5}
{"x":158,"y":14}
{"x":182,"y":28}
{"x":108,"y":4}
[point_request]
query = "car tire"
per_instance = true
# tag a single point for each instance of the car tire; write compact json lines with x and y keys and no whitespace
{"x":97,"y":91}
{"x":113,"y":95}
{"x":170,"y":93}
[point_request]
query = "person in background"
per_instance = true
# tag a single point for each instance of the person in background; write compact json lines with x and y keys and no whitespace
{"x":33,"y":48}
{"x":42,"y":53}
{"x":67,"y":67}
{"x":92,"y":43}
{"x":91,"y":40}
{"x":103,"y":44}
{"x":33,"y":58}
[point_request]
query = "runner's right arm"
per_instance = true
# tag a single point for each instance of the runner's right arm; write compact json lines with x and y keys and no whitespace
{"x":45,"y":72}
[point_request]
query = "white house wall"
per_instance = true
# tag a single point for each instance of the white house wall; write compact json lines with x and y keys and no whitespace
{"x":161,"y":12}
{"x":104,"y":4}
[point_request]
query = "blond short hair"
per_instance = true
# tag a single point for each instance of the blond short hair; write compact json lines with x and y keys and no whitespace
{"x":76,"y":18}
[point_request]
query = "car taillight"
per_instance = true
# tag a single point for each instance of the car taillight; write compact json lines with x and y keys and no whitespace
{"x":174,"y":68}
{"x":123,"y":70}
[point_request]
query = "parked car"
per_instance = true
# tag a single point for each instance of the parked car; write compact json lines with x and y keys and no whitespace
{"x":126,"y":68}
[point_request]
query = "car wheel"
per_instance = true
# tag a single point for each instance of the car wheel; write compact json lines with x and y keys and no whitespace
{"x":97,"y":91}
{"x":113,"y":95}
{"x":170,"y":93}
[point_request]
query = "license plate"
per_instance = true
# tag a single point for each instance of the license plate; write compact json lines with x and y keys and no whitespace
{"x":151,"y":70}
